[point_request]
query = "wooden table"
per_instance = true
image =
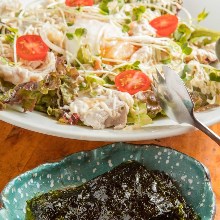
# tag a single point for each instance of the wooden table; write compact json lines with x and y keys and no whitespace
{"x":22,"y":150}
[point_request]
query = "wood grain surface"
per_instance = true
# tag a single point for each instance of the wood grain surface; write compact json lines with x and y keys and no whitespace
{"x":22,"y":150}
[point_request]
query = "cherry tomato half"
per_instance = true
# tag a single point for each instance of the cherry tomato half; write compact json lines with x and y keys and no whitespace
{"x":132,"y":81}
{"x":165,"y":25}
{"x":75,"y":3}
{"x":31,"y":47}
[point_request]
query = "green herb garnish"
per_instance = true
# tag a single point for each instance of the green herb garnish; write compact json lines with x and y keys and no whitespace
{"x":202,"y":16}
{"x":138,"y":12}
{"x":79,"y":32}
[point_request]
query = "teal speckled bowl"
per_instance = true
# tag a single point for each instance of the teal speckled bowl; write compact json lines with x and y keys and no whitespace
{"x":191,"y":175}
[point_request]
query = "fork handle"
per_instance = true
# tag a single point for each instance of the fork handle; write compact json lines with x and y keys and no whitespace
{"x":207,"y":131}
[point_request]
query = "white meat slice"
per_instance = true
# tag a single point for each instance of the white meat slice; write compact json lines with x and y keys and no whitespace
{"x":141,"y":28}
{"x":96,"y":33}
{"x":203,"y":55}
{"x":23,"y":74}
{"x":118,"y":120}
{"x":103,"y":111}
{"x":144,"y":55}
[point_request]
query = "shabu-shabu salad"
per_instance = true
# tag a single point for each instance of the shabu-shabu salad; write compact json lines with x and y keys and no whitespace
{"x":91,"y":63}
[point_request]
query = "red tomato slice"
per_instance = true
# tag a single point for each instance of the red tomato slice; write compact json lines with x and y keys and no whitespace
{"x":165,"y":25}
{"x":132,"y":81}
{"x":75,"y":3}
{"x":31,"y":47}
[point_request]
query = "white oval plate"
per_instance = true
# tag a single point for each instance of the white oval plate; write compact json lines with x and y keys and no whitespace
{"x":161,"y":128}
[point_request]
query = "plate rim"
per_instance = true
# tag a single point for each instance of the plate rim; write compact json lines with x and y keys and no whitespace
{"x":54,"y":128}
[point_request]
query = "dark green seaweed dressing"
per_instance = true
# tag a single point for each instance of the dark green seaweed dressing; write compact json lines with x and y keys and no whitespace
{"x":128,"y":192}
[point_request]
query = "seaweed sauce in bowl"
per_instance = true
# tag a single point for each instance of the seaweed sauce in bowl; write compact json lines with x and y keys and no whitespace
{"x":129,"y":191}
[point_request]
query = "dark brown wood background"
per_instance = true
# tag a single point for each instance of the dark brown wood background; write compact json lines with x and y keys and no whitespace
{"x":22,"y":150}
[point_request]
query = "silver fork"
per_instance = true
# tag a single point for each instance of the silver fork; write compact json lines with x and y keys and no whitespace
{"x":176,"y":102}
{"x":217,"y":49}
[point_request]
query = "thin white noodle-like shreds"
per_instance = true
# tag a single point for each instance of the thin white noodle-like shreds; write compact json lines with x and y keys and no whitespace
{"x":15,"y":49}
{"x":98,"y":41}
{"x":62,"y":14}
{"x":28,"y":29}
{"x":54,"y":4}
{"x":52,"y":46}
{"x":121,"y":65}
{"x":184,"y":10}
{"x":143,"y":39}
{"x":96,"y":71}
{"x":114,"y":60}
{"x":84,"y":15}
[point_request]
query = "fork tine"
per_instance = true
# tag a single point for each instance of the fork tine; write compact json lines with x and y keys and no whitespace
{"x":154,"y":87}
{"x":155,"y":83}
{"x":158,"y":81}
{"x":160,"y":78}
{"x":154,"y":79}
